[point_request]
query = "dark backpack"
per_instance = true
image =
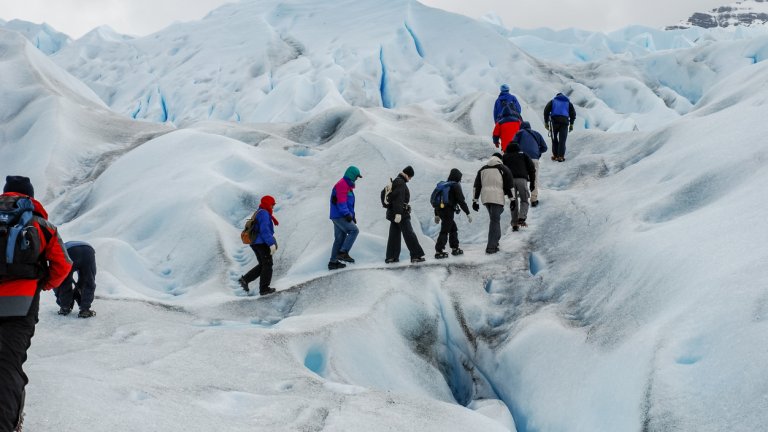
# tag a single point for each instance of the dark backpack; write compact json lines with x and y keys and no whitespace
{"x":251,"y":230}
{"x":20,"y":243}
{"x":385,"y":194}
{"x":440,"y":196}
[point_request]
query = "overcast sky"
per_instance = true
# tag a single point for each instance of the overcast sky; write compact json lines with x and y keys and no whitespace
{"x":141,"y":17}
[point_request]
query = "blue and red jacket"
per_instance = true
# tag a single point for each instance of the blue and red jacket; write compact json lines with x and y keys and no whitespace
{"x":266,"y":228}
{"x":343,"y":199}
{"x":506,"y":127}
{"x":16,"y":295}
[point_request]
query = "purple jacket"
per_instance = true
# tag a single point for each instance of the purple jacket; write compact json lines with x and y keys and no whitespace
{"x":343,"y":199}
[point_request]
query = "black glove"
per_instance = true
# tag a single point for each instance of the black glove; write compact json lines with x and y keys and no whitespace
{"x":348,"y":218}
{"x":475,"y":206}
{"x":496,"y":141}
{"x":354,"y":220}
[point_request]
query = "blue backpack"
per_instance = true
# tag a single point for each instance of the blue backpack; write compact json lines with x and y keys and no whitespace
{"x":561,"y":106}
{"x":439,"y":198}
{"x":20,"y":243}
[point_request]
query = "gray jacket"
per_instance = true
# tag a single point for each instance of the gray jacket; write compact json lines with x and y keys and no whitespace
{"x":493,"y":182}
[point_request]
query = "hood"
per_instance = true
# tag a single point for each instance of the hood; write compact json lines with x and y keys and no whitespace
{"x":512,"y":148}
{"x":455,"y":175}
{"x":494,"y":160}
{"x":525,"y":125}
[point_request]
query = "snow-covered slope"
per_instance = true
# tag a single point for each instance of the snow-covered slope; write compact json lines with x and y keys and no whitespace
{"x":43,"y":36}
{"x":635,"y":300}
{"x":745,"y":13}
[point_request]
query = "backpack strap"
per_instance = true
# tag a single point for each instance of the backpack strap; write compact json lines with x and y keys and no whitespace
{"x":24,"y":207}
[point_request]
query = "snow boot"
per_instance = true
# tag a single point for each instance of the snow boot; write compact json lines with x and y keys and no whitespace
{"x":267,"y":291}
{"x":418,"y":259}
{"x":457,"y":251}
{"x":64,"y":311}
{"x":86,"y":313}
{"x":344,"y":256}
{"x":521,"y":222}
{"x":534,"y":203}
{"x":515,"y":228}
{"x":391,"y":260}
{"x":335,"y":265}
{"x":243,"y":284}
{"x":491,"y":250}
{"x":441,"y":255}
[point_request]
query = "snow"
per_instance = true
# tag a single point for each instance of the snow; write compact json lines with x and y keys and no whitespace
{"x":635,"y":299}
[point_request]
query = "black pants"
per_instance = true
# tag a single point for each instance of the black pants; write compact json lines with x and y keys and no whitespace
{"x":15,"y":338}
{"x":393,"y":242}
{"x":263,"y":269}
{"x":84,"y":264}
{"x":448,"y":230}
{"x":559,"y":136}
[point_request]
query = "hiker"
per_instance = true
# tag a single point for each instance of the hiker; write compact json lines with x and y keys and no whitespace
{"x":448,"y":199}
{"x":492,"y":183}
{"x":559,"y":116}
{"x":534,"y":145}
{"x":506,"y":127}
{"x":264,"y":245}
{"x":42,"y":266}
{"x":343,"y":217}
{"x":505,"y":99}
{"x":83,"y":258}
{"x":523,"y":171}
{"x":399,"y":216}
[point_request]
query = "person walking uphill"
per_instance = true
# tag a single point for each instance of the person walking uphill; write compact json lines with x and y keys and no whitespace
{"x":561,"y":113}
{"x":505,"y":99}
{"x":532,"y":144}
{"x":492,"y":183}
{"x":83,"y":258}
{"x":506,"y":128}
{"x":343,"y":217}
{"x":34,"y":259}
{"x":399,"y":216}
{"x":264,"y":246}
{"x":448,"y":199}
{"x":523,"y":171}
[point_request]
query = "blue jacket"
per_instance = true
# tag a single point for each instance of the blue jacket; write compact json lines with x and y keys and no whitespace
{"x":510,"y":99}
{"x":343,"y":199}
{"x":530,"y":141}
{"x":266,"y":229}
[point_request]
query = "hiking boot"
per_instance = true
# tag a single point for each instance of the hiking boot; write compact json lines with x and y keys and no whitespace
{"x":243,"y":284}
{"x":440,"y":255}
{"x":515,"y":228}
{"x":457,"y":251}
{"x":534,"y":203}
{"x":521,"y":222}
{"x":418,"y":259}
{"x":561,"y":159}
{"x":335,"y":265}
{"x":491,"y":250}
{"x":391,"y":260}
{"x":344,"y":256}
{"x":554,"y":158}
{"x":267,"y":291}
{"x":86,"y":313}
{"x":64,"y":311}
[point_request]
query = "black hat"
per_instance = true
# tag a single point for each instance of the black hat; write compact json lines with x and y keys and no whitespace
{"x":408,"y":171}
{"x":498,"y":155}
{"x":19,"y":184}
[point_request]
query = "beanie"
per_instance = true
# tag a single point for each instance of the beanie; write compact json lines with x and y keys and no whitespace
{"x":504,"y":88}
{"x":352,"y":173}
{"x":19,"y":184}
{"x":408,"y":171}
{"x":267,"y":201}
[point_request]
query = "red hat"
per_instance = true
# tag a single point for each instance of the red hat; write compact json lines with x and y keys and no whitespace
{"x":267,"y":201}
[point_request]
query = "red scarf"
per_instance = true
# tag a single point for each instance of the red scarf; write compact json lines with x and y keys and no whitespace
{"x":269,"y":210}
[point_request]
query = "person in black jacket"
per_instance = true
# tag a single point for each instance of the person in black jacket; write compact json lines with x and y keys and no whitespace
{"x":523,"y":171}
{"x":81,"y":290}
{"x":399,"y":216}
{"x":561,"y":113}
{"x":449,"y":232}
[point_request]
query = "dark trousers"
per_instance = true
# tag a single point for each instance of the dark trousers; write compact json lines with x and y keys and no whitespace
{"x":15,"y":338}
{"x":449,"y":232}
{"x":263,"y":269}
{"x":393,"y":242}
{"x":494,"y":225}
{"x":84,"y":264}
{"x":559,"y":136}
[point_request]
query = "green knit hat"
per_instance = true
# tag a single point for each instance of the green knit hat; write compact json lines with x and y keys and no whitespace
{"x":352,"y":173}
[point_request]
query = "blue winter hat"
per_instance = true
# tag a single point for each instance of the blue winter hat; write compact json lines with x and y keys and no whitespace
{"x":504,"y":88}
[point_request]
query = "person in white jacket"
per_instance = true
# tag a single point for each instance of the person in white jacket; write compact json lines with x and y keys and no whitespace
{"x":492,"y":184}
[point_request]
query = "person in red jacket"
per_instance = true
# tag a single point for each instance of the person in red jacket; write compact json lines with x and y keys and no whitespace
{"x":506,"y":127}
{"x":20,"y":286}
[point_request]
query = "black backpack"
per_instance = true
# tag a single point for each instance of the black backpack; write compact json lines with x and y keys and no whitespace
{"x":385,"y":194}
{"x":20,"y":243}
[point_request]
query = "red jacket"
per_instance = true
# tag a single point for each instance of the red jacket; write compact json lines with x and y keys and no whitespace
{"x":504,"y":133}
{"x":16,"y":295}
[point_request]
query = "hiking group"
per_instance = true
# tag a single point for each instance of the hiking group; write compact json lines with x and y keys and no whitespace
{"x":510,"y":174}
